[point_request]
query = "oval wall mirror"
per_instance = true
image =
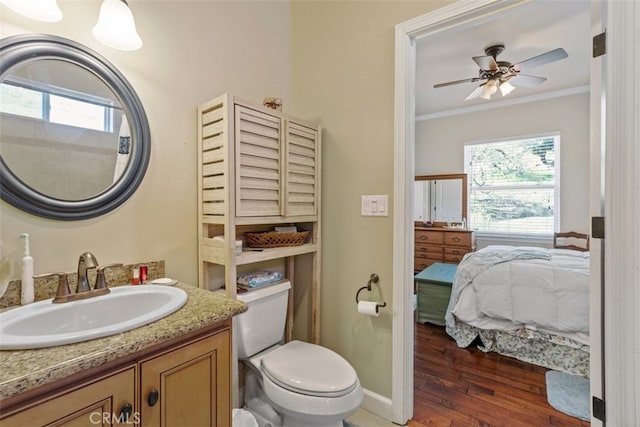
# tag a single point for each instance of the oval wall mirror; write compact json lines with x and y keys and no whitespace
{"x":74,"y":137}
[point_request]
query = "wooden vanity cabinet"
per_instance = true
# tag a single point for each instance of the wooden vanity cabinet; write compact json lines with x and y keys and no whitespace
{"x":186,"y":383}
{"x":188,"y":386}
{"x":433,"y":245}
{"x":98,"y":402}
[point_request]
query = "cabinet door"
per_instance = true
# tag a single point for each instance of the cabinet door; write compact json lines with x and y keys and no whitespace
{"x":258,"y":144}
{"x":189,"y":386}
{"x":100,"y":403}
{"x":302,"y":169}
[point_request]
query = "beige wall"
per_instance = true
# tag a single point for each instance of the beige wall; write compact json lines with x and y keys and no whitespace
{"x":193,"y":51}
{"x":343,"y":60}
{"x":338,"y":71}
{"x":440,"y":145}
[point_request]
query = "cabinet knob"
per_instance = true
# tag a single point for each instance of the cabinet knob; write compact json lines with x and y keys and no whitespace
{"x":152,"y":399}
{"x":125,"y":413}
{"x":456,"y":239}
{"x":423,"y":237}
{"x":456,"y":252}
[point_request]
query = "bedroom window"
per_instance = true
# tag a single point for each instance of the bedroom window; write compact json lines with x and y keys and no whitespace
{"x":514,"y":185}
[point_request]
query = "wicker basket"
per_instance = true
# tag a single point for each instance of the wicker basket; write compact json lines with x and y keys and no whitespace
{"x":272,"y":239}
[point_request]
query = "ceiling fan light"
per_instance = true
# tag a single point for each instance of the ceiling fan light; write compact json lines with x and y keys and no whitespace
{"x":116,"y":27}
{"x":489,"y":89}
{"x":40,"y":10}
{"x":506,"y":88}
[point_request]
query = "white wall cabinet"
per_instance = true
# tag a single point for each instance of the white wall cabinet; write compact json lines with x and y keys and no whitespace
{"x":257,"y":168}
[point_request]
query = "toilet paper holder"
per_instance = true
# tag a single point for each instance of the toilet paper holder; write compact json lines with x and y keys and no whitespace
{"x":372,"y":279}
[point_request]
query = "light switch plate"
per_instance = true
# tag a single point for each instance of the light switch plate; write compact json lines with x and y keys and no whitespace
{"x":375,"y":205}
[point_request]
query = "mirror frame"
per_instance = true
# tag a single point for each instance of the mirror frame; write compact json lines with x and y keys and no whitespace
{"x":465,"y":207}
{"x":22,"y":49}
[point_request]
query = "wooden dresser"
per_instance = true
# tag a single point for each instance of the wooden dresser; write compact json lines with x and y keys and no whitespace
{"x":434,"y":244}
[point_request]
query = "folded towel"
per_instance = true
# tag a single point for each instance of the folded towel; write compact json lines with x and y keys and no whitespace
{"x":259,"y":278}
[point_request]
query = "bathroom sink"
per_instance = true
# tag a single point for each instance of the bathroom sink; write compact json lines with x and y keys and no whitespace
{"x":44,"y":324}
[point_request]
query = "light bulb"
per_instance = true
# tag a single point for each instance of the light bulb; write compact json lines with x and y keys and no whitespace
{"x":116,"y":27}
{"x":489,"y":89}
{"x":40,"y":10}
{"x":506,"y":88}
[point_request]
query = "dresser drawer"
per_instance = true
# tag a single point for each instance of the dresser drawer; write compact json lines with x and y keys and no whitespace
{"x":454,"y":256}
{"x":458,"y":239}
{"x":441,"y":245}
{"x":429,"y":236}
{"x":422,"y":249}
{"x":436,"y":255}
{"x":420,"y":264}
{"x":453,"y":251}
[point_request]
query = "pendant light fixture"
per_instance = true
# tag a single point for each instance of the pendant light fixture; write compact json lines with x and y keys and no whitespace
{"x":40,"y":10}
{"x":116,"y":27}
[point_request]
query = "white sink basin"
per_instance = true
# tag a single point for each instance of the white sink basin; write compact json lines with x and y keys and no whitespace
{"x":44,"y":324}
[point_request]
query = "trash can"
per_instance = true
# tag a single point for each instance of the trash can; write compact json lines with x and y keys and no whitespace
{"x":242,"y":418}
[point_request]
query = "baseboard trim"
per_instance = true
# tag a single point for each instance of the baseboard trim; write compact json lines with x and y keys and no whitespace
{"x":377,"y":404}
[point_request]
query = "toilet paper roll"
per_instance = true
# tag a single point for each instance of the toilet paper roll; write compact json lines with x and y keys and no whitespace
{"x":368,"y":308}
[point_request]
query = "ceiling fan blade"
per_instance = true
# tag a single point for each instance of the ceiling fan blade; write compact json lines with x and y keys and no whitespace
{"x":455,"y":82}
{"x":522,"y":80}
{"x":486,"y":62}
{"x":475,"y":94}
{"x":545,"y":58}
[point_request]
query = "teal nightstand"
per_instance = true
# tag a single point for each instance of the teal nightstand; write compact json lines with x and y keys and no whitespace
{"x":434,"y":289}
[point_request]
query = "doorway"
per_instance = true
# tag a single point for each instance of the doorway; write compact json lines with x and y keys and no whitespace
{"x":407,"y":34}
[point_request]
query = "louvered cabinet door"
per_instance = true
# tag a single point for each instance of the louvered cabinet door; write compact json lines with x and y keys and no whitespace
{"x":214,"y":162}
{"x":302,"y":169}
{"x":259,"y":163}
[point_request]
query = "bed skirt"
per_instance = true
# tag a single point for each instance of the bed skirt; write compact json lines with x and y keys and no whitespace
{"x":535,"y":347}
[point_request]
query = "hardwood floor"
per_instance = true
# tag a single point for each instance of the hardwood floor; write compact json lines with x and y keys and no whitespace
{"x":459,"y":387}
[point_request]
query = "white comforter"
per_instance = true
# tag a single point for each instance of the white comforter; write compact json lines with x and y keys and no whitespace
{"x":507,"y":288}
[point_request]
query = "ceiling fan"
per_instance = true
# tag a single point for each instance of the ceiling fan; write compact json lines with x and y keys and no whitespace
{"x":504,"y":75}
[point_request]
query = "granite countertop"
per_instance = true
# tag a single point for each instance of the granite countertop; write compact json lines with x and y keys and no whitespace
{"x":22,"y":370}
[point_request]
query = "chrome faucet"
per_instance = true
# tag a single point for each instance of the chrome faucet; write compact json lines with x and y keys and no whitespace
{"x":86,"y":261}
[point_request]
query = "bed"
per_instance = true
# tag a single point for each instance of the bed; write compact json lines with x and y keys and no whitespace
{"x":524,"y":302}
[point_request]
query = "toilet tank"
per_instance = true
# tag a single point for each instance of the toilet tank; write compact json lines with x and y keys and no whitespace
{"x":262,"y":325}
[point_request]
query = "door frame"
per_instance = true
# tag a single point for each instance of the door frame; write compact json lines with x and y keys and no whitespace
{"x":406,"y":35}
{"x":618,"y":126}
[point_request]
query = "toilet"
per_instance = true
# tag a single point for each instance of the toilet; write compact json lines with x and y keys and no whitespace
{"x":292,"y":384}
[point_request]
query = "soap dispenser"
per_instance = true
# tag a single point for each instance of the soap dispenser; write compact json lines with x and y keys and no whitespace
{"x":27,"y":293}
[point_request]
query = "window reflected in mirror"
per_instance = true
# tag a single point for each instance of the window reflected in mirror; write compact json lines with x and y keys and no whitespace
{"x":440,"y":199}
{"x":71,"y":147}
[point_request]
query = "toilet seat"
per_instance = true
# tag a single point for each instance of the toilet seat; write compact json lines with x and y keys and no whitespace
{"x":311,"y":408}
{"x":309,"y":369}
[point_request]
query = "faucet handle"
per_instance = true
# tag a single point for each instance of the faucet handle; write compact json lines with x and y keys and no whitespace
{"x":63,"y":292}
{"x":101,"y":282}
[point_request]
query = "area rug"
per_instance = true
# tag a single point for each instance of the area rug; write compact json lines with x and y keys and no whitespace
{"x":569,"y":394}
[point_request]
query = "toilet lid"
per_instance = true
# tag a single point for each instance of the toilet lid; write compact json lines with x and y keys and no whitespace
{"x":309,"y":369}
